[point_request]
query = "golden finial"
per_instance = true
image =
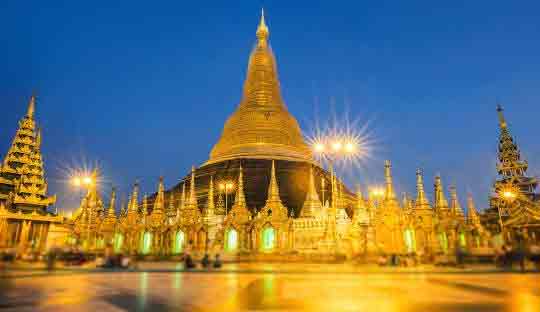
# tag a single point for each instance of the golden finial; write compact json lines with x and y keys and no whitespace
{"x":502,"y":121}
{"x":31,"y":107}
{"x":262,"y":31}
{"x":38,"y":138}
{"x":390,"y":194}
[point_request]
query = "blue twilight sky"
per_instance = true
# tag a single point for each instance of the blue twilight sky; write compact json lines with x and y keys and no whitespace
{"x":143,"y":88}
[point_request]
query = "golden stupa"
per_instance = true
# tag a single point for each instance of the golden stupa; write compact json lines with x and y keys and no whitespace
{"x":261,"y":126}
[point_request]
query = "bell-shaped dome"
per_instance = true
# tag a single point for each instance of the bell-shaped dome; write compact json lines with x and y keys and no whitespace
{"x":261,"y":126}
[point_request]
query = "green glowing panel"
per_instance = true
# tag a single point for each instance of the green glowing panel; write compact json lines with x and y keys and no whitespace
{"x":409,"y":240}
{"x":462,"y":241}
{"x":232,"y":240}
{"x":100,"y":243}
{"x":268,"y":239}
{"x":118,"y":242}
{"x":179,"y":242}
{"x":147,"y":243}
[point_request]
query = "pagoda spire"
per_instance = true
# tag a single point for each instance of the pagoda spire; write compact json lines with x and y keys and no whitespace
{"x":261,"y":127}
{"x":361,"y":214}
{"x":210,"y":206}
{"x":192,"y":193}
{"x":240,"y":198}
{"x":145,"y":205}
{"x":158,"y":212}
{"x":472,"y":214}
{"x":133,"y":206}
{"x":455,"y":206}
{"x":31,"y":107}
{"x":502,"y":120}
{"x":390,"y":195}
{"x":312,"y":205}
{"x":239,"y":211}
{"x":421,"y":200}
{"x":274,"y":207}
{"x":510,"y":165}
{"x":273,"y":189}
{"x":441,"y":204}
{"x":183,"y":196}
{"x":159,"y":202}
{"x":171,"y":212}
{"x":22,"y":177}
{"x":112,"y":204}
{"x":262,"y":32}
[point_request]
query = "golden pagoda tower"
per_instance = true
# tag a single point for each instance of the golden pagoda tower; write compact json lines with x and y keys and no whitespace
{"x":108,"y":226}
{"x":274,"y":207}
{"x":424,"y":223}
{"x":388,"y":217}
{"x":158,"y":213}
{"x":22,"y":176}
{"x":441,"y":204}
{"x":312,"y":205}
{"x":261,"y":126}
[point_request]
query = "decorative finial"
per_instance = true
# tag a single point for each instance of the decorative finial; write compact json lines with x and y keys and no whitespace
{"x":502,"y":121}
{"x":262,"y":31}
{"x":389,"y":194}
{"x":31,"y":107}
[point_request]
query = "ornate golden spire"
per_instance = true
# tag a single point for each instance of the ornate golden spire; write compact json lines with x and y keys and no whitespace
{"x":159,"y":202}
{"x":133,"y":206}
{"x":274,"y":207}
{"x":472,"y":215}
{"x":421,"y":200}
{"x":22,"y":177}
{"x":441,"y":204}
{"x":312,"y":205}
{"x":110,"y":218}
{"x":172,"y":209}
{"x":239,"y":211}
{"x":210,"y":206}
{"x":273,"y":190}
{"x":502,"y":121}
{"x":145,"y":205}
{"x":261,"y":126}
{"x":192,"y":193}
{"x":31,"y":107}
{"x":390,"y":195}
{"x":454,"y":202}
{"x":240,"y":198}
{"x":183,"y":196}
{"x":262,"y":32}
{"x":112,"y":204}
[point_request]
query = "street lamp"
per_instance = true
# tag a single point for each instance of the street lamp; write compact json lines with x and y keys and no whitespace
{"x":226,"y":187}
{"x":331,"y":149}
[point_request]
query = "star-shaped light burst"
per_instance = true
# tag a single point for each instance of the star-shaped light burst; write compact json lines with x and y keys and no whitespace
{"x":342,"y":143}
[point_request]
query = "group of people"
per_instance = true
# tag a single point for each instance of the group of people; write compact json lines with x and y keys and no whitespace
{"x":396,"y":260}
{"x":206,"y":263}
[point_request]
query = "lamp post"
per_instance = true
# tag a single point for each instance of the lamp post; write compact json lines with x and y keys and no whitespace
{"x":332,"y":149}
{"x":82,"y":182}
{"x":226,"y":187}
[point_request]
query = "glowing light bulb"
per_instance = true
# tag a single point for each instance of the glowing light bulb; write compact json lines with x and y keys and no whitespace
{"x":349,"y":147}
{"x":87,"y":180}
{"x":337,"y":146}
{"x":319,"y":147}
{"x":76,"y":181}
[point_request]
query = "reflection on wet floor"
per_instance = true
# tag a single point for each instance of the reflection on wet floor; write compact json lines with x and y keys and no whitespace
{"x":272,"y":292}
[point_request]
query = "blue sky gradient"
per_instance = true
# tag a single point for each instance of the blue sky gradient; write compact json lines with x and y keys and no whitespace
{"x":143,"y":88}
